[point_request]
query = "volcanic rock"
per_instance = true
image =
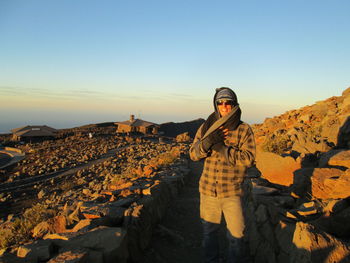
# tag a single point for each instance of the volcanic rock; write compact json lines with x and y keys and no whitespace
{"x":313,"y":245}
{"x":275,"y":168}
{"x":330,"y":183}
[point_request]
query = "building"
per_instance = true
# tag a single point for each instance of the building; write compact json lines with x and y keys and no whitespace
{"x":30,"y":133}
{"x":137,"y":125}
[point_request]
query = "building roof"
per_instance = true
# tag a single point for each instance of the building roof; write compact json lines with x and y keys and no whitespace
{"x":137,"y":123}
{"x":33,"y":131}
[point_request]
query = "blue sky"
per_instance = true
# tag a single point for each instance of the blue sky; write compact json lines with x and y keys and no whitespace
{"x":67,"y":63}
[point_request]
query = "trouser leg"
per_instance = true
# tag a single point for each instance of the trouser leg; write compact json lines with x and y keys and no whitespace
{"x":210,"y":241}
{"x":210,"y":211}
{"x":233,"y":213}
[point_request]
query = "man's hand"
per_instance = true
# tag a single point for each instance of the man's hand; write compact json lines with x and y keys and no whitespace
{"x":220,"y":147}
{"x":215,"y":137}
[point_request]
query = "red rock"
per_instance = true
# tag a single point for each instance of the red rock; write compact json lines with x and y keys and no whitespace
{"x":81,"y":224}
{"x":312,"y":245}
{"x":340,"y":159}
{"x":148,"y":170}
{"x":90,"y":215}
{"x":56,"y":224}
{"x":330,"y":183}
{"x":121,"y":185}
{"x":275,"y":168}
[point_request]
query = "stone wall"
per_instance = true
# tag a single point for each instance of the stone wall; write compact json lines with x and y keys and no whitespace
{"x":285,"y":228}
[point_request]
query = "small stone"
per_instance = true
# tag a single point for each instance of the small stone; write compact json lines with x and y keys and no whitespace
{"x":41,"y":194}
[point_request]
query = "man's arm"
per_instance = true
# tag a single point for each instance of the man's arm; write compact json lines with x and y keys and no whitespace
{"x":243,"y":153}
{"x":196,"y":151}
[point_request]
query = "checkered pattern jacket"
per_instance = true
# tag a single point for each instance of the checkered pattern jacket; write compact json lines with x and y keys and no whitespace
{"x":222,"y":176}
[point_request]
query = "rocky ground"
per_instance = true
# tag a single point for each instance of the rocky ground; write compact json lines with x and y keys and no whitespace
{"x":59,"y":180}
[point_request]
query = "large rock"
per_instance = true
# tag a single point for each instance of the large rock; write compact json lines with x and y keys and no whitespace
{"x":335,"y":158}
{"x":38,"y":251}
{"x":304,"y":144}
{"x":275,"y":168}
{"x":56,"y":224}
{"x":110,"y":241}
{"x":183,"y":137}
{"x":337,"y":224}
{"x":302,"y":182}
{"x":330,"y":183}
{"x":313,"y":245}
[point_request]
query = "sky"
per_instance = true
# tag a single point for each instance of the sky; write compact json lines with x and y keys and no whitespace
{"x":68,"y":63}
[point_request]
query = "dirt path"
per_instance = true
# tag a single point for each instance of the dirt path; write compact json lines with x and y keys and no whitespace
{"x":178,"y":237}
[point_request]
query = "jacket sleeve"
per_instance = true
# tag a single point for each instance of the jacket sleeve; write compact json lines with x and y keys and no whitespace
{"x":244,"y":151}
{"x":196,"y":150}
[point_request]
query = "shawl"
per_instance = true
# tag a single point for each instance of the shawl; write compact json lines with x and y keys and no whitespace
{"x":230,"y":121}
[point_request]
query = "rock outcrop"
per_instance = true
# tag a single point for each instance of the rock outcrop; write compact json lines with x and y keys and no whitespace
{"x":299,"y":208}
{"x":315,"y":128}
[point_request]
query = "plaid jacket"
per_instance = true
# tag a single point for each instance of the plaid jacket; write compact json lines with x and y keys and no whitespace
{"x":222,"y":176}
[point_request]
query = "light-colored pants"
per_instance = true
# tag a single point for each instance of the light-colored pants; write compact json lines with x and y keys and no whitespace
{"x":211,"y":209}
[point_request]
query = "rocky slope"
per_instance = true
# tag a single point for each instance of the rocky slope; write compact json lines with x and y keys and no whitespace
{"x":315,"y":128}
{"x":299,"y":210}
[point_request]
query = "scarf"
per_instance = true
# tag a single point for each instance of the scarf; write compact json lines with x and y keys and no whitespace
{"x":231,"y":123}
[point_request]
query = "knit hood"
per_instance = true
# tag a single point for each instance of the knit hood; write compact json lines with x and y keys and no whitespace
{"x":224,"y":93}
{"x":233,"y":121}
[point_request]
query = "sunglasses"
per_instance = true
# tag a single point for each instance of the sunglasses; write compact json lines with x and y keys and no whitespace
{"x":226,"y":102}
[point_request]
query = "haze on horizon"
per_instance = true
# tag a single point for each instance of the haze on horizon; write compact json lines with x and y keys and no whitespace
{"x":68,"y":63}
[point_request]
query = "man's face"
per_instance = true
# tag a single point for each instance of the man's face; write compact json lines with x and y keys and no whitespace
{"x":224,"y":107}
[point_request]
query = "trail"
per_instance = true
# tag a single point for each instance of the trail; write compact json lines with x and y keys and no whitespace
{"x":178,"y":237}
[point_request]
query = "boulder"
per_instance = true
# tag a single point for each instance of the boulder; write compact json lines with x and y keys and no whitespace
{"x":330,"y":183}
{"x":81,"y":224}
{"x":312,"y":245}
{"x":38,"y":251}
{"x":342,"y":158}
{"x":110,"y":241}
{"x":284,"y":235}
{"x":301,"y":186}
{"x":326,"y":156}
{"x":183,"y":137}
{"x":56,"y":224}
{"x":336,"y":224}
{"x":275,"y":168}
{"x":336,"y":158}
{"x":304,"y":144}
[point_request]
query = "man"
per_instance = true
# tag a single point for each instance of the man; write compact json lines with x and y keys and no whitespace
{"x":227,"y":144}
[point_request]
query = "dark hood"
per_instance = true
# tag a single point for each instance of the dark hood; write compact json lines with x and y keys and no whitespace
{"x":234,"y":98}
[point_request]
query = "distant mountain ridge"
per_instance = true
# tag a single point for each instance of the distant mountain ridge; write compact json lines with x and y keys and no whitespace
{"x":172,"y":129}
